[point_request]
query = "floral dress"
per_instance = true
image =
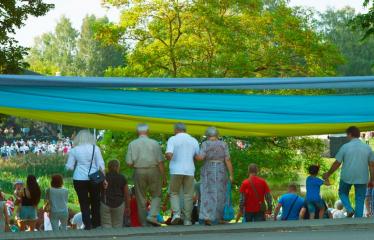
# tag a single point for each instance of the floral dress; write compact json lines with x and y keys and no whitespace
{"x":213,"y":180}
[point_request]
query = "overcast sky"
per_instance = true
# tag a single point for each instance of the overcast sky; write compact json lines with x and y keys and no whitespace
{"x":76,"y":10}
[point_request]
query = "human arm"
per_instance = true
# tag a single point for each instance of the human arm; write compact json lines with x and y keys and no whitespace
{"x":327,"y":182}
{"x":230,"y":169}
{"x":70,"y":164}
{"x":99,"y":160}
{"x":302,"y":213}
{"x":371,"y":168}
{"x":161,"y":166}
{"x":241,"y":207}
{"x":6,"y":218}
{"x":335,"y":166}
{"x":127,"y":199}
{"x":276,"y":211}
{"x":129,"y":158}
{"x":269,"y":202}
{"x":169,"y":149}
{"x":202,"y":153}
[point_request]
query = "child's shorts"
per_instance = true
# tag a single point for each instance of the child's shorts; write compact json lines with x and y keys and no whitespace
{"x":314,"y":205}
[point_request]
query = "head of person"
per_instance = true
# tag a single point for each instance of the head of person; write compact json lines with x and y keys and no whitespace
{"x":211,"y":133}
{"x":292,"y":188}
{"x":313,"y":170}
{"x":339,"y":205}
{"x":252,"y":169}
{"x":113,"y":166}
{"x":179,"y":128}
{"x":34,"y":189}
{"x":353,"y":132}
{"x":84,"y":137}
{"x":57,"y":181}
{"x":142,"y":129}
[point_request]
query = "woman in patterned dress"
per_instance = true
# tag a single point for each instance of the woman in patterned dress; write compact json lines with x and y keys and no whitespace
{"x":214,"y":177}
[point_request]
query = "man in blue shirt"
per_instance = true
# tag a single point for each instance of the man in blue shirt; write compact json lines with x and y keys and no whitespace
{"x":291,"y":205}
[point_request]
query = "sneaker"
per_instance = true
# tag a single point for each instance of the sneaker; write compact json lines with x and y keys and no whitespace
{"x":153,"y":222}
{"x":176,"y":220}
{"x":187,"y":223}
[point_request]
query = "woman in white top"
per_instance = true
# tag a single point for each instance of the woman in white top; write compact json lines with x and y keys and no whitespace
{"x":80,"y":157}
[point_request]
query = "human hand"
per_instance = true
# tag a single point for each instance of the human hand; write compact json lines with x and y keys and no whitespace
{"x":231,"y":179}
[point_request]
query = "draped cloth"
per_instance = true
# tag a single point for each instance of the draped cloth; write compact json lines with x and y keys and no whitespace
{"x":232,"y":114}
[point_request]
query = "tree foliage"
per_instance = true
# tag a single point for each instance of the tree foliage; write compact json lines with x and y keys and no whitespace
{"x":366,"y":21}
{"x":335,"y":25}
{"x":75,"y":53}
{"x":13,"y":14}
{"x":220,"y":39}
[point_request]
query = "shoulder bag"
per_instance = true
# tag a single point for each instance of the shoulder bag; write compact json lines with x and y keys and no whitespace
{"x":98,"y":176}
{"x":263,"y":207}
{"x":289,"y":211}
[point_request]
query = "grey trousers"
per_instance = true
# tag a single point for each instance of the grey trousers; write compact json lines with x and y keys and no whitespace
{"x":147,"y":180}
{"x":187,"y":183}
{"x":58,"y":217}
{"x":111,"y":217}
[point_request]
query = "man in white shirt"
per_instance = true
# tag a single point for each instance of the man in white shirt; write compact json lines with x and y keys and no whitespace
{"x":181,"y":150}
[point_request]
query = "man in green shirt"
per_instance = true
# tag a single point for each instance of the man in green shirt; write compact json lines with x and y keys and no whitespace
{"x":145,"y":156}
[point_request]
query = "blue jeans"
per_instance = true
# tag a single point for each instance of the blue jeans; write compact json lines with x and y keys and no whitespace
{"x":254,"y":217}
{"x":360,"y":192}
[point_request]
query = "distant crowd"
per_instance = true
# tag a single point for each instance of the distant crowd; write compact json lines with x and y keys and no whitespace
{"x":107,"y":201}
{"x":39,"y":147}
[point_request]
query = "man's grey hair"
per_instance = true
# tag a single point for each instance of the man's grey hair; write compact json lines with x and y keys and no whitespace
{"x":211,"y":132}
{"x":180,"y":127}
{"x":142,"y":127}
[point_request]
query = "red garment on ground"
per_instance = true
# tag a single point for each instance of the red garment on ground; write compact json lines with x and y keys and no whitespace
{"x":134,"y":218}
{"x":252,"y":203}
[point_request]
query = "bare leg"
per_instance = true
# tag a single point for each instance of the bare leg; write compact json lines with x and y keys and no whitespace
{"x":321,"y":213}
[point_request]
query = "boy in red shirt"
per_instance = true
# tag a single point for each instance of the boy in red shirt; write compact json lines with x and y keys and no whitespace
{"x":254,"y":191}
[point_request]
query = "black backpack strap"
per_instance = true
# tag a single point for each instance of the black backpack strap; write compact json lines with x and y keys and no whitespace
{"x":292,"y":205}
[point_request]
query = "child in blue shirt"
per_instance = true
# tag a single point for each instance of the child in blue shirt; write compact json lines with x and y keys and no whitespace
{"x":313,"y":193}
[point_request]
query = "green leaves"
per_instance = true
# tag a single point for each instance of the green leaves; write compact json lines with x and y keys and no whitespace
{"x":77,"y":53}
{"x":222,"y":39}
{"x":13,"y":14}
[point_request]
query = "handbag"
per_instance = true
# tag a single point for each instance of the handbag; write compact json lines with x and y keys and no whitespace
{"x":98,"y":176}
{"x":263,"y":207}
{"x":228,"y":210}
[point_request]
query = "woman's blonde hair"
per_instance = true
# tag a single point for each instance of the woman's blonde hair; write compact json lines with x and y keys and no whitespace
{"x":84,"y":137}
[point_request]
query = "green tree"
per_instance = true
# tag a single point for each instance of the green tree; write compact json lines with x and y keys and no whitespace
{"x":366,"y":21}
{"x":71,"y":52}
{"x":94,"y":56}
{"x":335,"y":25}
{"x":13,"y":14}
{"x":220,"y":39}
{"x":55,"y":51}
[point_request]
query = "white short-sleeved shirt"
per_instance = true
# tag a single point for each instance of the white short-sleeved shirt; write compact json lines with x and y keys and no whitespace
{"x":184,"y":148}
{"x":355,"y":157}
{"x":81,"y":156}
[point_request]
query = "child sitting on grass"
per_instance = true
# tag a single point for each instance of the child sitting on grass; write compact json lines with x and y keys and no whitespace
{"x":313,"y":192}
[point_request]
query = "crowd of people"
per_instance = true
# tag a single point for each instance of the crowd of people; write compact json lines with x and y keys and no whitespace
{"x":106,"y":200}
{"x":39,"y":147}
